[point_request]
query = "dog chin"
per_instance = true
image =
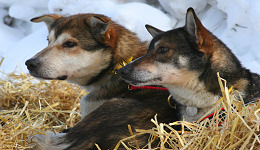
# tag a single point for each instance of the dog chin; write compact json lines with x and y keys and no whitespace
{"x":144,"y":82}
{"x":137,"y":83}
{"x":41,"y":77}
{"x":64,"y":77}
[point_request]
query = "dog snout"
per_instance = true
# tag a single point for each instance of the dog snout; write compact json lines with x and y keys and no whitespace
{"x":32,"y":64}
{"x":125,"y":70}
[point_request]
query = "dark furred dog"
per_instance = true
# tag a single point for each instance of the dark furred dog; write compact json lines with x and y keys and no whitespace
{"x":85,"y":49}
{"x":186,"y":61}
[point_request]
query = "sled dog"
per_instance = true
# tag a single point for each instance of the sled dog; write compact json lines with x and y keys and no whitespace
{"x":186,"y":61}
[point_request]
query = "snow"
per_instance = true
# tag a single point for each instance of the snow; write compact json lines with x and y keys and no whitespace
{"x":178,"y":8}
{"x":235,"y":22}
{"x":136,"y":22}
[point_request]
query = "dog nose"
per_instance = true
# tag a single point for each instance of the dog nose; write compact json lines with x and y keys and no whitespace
{"x":32,"y":63}
{"x":125,"y":70}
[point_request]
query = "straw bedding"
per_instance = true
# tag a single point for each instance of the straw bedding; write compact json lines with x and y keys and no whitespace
{"x":32,"y":107}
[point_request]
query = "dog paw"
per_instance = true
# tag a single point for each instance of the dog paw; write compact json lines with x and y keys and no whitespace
{"x":49,"y":141}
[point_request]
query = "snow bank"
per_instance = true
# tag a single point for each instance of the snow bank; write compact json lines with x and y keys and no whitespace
{"x":235,"y":22}
{"x":178,"y":8}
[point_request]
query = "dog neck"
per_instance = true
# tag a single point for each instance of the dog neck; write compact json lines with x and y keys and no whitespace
{"x":193,"y":94}
{"x":194,"y":97}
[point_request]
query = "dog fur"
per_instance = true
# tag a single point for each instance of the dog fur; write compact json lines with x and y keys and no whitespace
{"x":186,"y":61}
{"x":84,"y":49}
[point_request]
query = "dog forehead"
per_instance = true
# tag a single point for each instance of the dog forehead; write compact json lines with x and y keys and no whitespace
{"x":69,"y":26}
{"x":160,"y":42}
{"x":169,"y":37}
{"x":60,"y":38}
{"x":74,"y":24}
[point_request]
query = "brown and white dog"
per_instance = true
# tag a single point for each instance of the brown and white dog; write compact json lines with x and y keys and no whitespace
{"x":186,"y":61}
{"x":85,"y":49}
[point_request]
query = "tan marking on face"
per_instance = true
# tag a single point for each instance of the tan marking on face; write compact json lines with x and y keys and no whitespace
{"x":183,"y":61}
{"x":61,"y":39}
{"x":157,"y":43}
{"x":175,"y":76}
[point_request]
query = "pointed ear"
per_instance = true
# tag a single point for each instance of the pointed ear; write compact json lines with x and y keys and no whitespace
{"x":47,"y":19}
{"x":101,"y":28}
{"x":152,"y":30}
{"x":195,"y":29}
{"x":190,"y":24}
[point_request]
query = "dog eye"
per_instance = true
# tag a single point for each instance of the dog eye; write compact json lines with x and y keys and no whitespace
{"x":69,"y":44}
{"x":162,"y":50}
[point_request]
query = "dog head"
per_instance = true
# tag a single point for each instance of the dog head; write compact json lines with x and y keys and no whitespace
{"x":174,"y":57}
{"x":80,"y":48}
{"x":186,"y":61}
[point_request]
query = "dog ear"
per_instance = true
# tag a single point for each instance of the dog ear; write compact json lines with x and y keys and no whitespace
{"x":190,"y":24}
{"x":47,"y":19}
{"x":152,"y":30}
{"x":102,"y":29}
{"x":195,"y":28}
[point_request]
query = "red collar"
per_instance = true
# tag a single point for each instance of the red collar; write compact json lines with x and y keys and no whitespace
{"x":221,"y":116}
{"x":132,"y":87}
